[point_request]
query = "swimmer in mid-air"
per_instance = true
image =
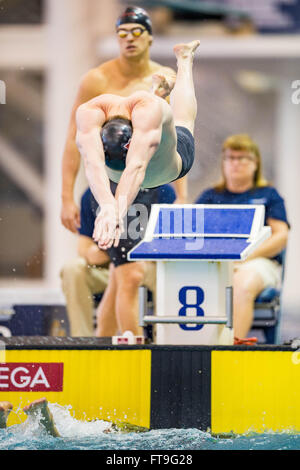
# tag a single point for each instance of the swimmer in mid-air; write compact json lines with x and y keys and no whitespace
{"x":139,"y":141}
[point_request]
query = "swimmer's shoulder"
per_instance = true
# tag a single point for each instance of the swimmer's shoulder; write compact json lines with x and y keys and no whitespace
{"x":163,"y":70}
{"x":105,"y":101}
{"x":96,"y":80}
{"x":142,"y":98}
{"x":145,"y":108}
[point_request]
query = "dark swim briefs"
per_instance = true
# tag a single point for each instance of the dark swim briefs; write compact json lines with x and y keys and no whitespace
{"x":186,"y":149}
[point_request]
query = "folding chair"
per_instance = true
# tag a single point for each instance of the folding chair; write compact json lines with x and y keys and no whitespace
{"x":268,"y":311}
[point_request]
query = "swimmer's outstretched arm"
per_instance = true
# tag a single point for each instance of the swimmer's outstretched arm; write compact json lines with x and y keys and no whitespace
{"x":89,"y":119}
{"x":146,"y":137}
{"x":39,"y":408}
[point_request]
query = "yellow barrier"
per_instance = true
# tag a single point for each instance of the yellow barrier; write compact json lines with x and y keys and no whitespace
{"x":221,"y":389}
{"x":112,"y":385}
{"x":254,"y":391}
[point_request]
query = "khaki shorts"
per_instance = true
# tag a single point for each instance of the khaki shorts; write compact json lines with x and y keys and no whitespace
{"x":269,"y":270}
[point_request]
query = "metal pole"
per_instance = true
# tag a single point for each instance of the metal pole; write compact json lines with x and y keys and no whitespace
{"x":142,"y":304}
{"x":185,"y":320}
{"x":229,"y":306}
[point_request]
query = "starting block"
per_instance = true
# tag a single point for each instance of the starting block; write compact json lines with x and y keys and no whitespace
{"x":195,"y":247}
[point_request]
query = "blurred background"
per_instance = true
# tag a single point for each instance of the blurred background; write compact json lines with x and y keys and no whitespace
{"x":245,"y":77}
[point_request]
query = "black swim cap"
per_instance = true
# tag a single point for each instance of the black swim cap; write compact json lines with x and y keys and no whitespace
{"x":135,"y":15}
{"x":116,"y":135}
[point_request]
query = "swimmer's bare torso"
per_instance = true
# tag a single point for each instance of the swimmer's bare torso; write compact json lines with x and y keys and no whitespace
{"x":149,"y":115}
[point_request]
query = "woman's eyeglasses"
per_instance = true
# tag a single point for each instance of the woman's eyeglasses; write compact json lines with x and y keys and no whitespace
{"x":136,"y":32}
{"x":242,"y":159}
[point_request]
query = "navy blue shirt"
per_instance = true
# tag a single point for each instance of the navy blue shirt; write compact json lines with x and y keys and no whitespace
{"x":267,"y":195}
{"x":88,"y":210}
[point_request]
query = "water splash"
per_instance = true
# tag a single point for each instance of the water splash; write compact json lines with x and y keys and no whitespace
{"x":84,"y":435}
{"x":70,"y":427}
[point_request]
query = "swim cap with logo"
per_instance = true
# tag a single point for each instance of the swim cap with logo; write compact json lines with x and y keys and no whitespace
{"x":116,"y":135}
{"x":134,"y":14}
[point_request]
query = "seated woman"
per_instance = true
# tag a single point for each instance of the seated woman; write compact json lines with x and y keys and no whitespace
{"x":243,"y":183}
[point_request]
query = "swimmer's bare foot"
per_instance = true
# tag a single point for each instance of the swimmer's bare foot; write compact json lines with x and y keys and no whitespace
{"x":185,"y":51}
{"x":160,"y":86}
{"x":39,"y":408}
{"x":5,"y":409}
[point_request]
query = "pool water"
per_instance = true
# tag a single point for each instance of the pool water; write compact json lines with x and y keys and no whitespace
{"x":80,"y":435}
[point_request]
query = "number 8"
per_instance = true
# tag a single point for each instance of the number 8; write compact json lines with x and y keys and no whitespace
{"x":182,"y":312}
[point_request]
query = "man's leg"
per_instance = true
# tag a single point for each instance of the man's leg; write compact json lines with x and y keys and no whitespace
{"x":129,"y":277}
{"x":247,"y":284}
{"x":106,"y":315}
{"x":5,"y":409}
{"x":79,"y":283}
{"x":183,"y":99}
{"x":40,"y":409}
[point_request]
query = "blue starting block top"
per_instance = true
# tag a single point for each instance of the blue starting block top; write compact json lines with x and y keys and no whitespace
{"x":203,"y":221}
{"x":197,"y":231}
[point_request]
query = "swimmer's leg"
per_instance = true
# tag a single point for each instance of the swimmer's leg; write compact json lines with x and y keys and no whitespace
{"x":5,"y":409}
{"x":40,"y":407}
{"x":183,"y":99}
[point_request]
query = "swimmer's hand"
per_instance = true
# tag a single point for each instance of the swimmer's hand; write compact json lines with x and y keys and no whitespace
{"x":108,"y":227}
